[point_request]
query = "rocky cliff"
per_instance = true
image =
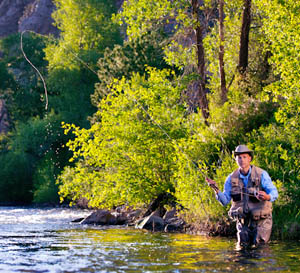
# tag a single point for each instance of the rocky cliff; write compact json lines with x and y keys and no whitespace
{"x":20,"y":15}
{"x":35,"y":15}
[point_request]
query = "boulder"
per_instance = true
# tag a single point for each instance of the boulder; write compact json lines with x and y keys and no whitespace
{"x":151,"y":222}
{"x":10,"y":13}
{"x":100,"y":217}
{"x":174,"y":225}
{"x":121,"y":217}
{"x":34,"y":15}
{"x":170,"y":214}
{"x":133,"y":216}
{"x":77,"y":220}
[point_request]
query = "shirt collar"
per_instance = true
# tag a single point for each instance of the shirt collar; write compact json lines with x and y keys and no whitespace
{"x":246,"y":176}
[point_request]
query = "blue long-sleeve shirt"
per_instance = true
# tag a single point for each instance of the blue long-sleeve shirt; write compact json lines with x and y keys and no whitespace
{"x":266,"y":183}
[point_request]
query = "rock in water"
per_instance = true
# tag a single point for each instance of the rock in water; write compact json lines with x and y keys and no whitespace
{"x":100,"y":217}
{"x":151,"y":222}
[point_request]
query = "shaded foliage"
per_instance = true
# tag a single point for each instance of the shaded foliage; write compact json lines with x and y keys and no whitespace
{"x":132,"y":56}
{"x":36,"y":137}
{"x":23,"y":91}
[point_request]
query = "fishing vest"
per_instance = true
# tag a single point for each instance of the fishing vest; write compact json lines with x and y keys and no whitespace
{"x":244,"y":201}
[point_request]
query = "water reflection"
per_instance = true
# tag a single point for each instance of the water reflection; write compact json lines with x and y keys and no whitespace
{"x":53,"y":244}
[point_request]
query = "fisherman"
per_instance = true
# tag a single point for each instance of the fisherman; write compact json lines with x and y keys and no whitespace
{"x":252,"y":192}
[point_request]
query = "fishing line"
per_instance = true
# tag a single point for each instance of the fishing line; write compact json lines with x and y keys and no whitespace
{"x":155,"y":123}
{"x":42,"y":78}
{"x":79,"y":59}
{"x":133,"y":99}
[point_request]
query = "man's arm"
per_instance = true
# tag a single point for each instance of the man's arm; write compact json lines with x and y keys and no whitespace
{"x":269,"y":192}
{"x":225,"y":196}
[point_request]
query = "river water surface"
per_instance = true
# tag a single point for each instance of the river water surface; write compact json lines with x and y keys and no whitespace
{"x":45,"y":240}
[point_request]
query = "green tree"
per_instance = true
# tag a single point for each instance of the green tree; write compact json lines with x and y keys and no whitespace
{"x":279,"y":142}
{"x":127,"y":157}
{"x":123,"y":60}
{"x":86,"y":30}
{"x":185,"y":22}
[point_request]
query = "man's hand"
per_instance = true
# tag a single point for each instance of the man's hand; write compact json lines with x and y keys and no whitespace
{"x":212,"y":184}
{"x":263,"y":196}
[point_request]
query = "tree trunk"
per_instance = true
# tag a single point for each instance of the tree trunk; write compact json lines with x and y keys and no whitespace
{"x":203,"y":101}
{"x":221,"y":52}
{"x":244,"y":41}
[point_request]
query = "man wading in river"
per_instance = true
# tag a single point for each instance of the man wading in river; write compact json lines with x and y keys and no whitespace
{"x":252,"y":192}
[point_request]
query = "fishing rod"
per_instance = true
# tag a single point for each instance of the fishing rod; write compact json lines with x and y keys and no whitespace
{"x":145,"y":111}
{"x":200,"y":170}
{"x":132,"y":98}
{"x":157,"y":124}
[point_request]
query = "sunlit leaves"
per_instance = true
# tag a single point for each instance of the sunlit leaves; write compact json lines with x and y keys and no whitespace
{"x":86,"y":30}
{"x":128,"y":157}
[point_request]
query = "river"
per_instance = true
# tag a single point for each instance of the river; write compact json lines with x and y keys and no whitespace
{"x":45,"y":240}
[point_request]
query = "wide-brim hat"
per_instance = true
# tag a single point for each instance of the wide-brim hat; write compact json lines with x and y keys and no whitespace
{"x":243,"y":149}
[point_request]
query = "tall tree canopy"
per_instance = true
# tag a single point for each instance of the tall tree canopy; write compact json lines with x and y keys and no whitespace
{"x":86,"y":30}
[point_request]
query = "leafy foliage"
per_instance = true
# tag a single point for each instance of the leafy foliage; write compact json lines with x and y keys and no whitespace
{"x":127,"y":157}
{"x":27,"y":146}
{"x":86,"y":30}
{"x":123,"y":60}
{"x":142,"y":140}
{"x":23,"y":89}
{"x":174,"y":18}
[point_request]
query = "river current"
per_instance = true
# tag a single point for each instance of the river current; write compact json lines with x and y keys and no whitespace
{"x":45,"y":240}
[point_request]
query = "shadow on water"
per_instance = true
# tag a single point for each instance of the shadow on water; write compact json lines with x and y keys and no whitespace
{"x":46,"y":241}
{"x":273,"y":257}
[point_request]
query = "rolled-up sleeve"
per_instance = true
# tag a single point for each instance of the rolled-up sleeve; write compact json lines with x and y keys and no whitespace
{"x":268,"y":186}
{"x":225,"y":197}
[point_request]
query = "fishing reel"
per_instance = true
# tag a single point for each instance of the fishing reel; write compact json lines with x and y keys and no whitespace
{"x":253,"y":194}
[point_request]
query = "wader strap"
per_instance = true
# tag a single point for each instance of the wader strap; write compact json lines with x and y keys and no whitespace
{"x":245,"y":201}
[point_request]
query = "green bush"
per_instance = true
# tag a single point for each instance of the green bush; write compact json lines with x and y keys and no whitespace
{"x":44,"y":180}
{"x":278,"y":149}
{"x":31,"y":158}
{"x":16,"y":178}
{"x":127,"y":157}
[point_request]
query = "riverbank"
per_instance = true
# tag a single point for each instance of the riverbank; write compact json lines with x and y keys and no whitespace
{"x":174,"y":221}
{"x":162,"y":220}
